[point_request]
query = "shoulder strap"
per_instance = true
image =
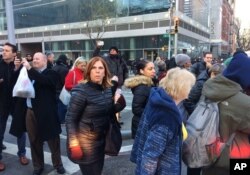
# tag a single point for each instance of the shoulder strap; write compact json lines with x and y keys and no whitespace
{"x":74,"y":77}
{"x":229,"y":142}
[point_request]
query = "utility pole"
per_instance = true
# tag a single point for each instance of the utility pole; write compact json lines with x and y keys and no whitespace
{"x":170,"y":25}
{"x":176,"y":33}
{"x":209,"y":24}
{"x":10,"y":21}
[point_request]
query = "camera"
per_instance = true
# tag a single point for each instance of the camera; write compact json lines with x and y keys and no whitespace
{"x":19,"y":55}
{"x":100,"y":43}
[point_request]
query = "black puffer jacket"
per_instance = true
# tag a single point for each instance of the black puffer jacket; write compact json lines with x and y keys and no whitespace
{"x":87,"y":119}
{"x":195,"y":93}
{"x":140,"y":86}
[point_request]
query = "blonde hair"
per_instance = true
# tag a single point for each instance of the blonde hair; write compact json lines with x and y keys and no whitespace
{"x":158,"y":59}
{"x":177,"y":83}
{"x":78,"y":61}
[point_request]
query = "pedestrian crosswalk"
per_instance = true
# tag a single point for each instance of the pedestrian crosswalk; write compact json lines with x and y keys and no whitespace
{"x":10,"y":154}
{"x":129,"y":97}
{"x":70,"y":167}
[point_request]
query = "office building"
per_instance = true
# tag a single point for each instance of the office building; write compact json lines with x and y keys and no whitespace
{"x":137,"y":27}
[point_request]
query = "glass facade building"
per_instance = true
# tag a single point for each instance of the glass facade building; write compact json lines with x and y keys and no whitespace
{"x":33,"y":13}
{"x":136,"y":27}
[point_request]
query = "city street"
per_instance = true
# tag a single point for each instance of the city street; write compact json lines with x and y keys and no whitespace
{"x":209,"y":38}
{"x":119,"y":165}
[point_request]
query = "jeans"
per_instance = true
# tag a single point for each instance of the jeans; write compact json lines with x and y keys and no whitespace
{"x":21,"y":142}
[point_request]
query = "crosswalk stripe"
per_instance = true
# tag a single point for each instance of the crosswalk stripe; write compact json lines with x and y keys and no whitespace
{"x":69,"y":166}
{"x":128,"y":108}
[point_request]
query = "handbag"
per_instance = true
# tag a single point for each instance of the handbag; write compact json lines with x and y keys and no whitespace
{"x":23,"y":87}
{"x":113,"y":140}
{"x":64,"y":96}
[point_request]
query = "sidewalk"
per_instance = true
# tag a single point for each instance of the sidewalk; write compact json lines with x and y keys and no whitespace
{"x":126,"y":118}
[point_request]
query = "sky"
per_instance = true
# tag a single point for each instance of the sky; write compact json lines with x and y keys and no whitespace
{"x":242,"y":8}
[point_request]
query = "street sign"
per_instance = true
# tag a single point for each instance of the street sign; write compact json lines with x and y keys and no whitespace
{"x":166,"y":35}
{"x":170,"y":31}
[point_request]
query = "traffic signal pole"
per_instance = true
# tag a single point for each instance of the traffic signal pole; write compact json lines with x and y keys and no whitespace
{"x":169,"y":33}
{"x":176,"y":33}
{"x":176,"y":26}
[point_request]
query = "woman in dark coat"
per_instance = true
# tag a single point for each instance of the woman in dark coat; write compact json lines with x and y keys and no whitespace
{"x":88,"y":117}
{"x":140,"y":86}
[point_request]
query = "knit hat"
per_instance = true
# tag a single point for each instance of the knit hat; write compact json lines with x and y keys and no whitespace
{"x":238,"y":69}
{"x":113,"y":47}
{"x":62,"y":59}
{"x":161,"y":65}
{"x":182,"y":59}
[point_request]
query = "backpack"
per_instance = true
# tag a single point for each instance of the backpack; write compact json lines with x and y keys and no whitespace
{"x":203,"y":146}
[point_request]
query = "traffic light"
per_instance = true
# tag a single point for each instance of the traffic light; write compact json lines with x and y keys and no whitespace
{"x":176,"y":25}
{"x":164,"y":48}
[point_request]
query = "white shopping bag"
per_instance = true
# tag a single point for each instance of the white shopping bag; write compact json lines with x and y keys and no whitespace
{"x":23,"y":87}
{"x":65,"y":96}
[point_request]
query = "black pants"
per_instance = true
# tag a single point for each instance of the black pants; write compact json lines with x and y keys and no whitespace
{"x":193,"y":171}
{"x":93,"y":168}
{"x":36,"y":144}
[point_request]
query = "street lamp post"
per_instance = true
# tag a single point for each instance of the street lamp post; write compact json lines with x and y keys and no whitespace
{"x":169,"y":33}
{"x":10,"y":21}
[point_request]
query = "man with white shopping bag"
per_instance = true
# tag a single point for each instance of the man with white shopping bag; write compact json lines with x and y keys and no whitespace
{"x":8,"y":76}
{"x":42,"y":123}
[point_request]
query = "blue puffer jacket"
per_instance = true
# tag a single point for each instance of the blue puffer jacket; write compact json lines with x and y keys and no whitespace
{"x":157,"y":146}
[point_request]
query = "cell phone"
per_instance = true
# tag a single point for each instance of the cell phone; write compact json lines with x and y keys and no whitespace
{"x":19,"y":55}
{"x":100,"y":43}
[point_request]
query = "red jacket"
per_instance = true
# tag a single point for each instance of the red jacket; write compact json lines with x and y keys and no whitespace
{"x":73,"y":78}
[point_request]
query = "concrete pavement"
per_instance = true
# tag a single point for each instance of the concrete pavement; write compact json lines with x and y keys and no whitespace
{"x":119,"y":165}
{"x":122,"y":163}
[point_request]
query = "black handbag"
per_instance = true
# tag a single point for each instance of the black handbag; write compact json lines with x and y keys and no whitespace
{"x":113,"y":138}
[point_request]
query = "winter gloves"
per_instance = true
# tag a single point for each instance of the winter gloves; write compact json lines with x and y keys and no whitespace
{"x":76,"y":152}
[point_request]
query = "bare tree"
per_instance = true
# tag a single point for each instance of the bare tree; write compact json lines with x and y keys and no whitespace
{"x":98,"y":14}
{"x":243,"y":37}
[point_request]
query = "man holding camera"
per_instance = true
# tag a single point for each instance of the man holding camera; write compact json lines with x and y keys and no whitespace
{"x":116,"y":64}
{"x":8,"y":76}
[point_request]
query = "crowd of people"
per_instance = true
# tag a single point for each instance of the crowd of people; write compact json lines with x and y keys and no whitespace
{"x":164,"y":96}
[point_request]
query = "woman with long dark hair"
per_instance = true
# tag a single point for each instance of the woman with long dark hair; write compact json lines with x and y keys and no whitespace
{"x":140,"y":86}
